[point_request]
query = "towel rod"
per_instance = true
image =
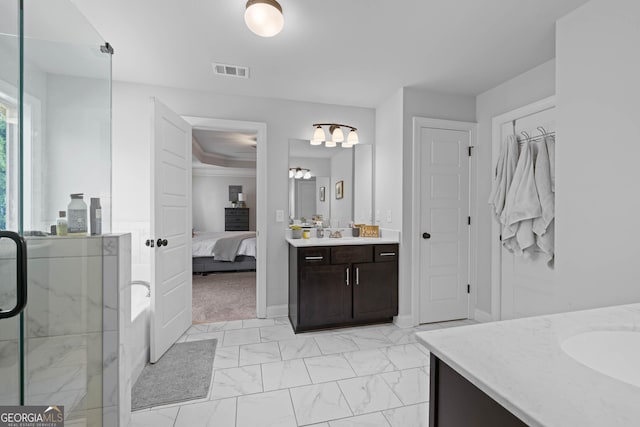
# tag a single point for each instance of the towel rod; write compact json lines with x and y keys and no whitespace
{"x":533,"y":138}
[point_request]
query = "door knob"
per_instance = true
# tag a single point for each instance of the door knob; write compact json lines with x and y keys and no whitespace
{"x":426,"y":235}
{"x":162,"y":242}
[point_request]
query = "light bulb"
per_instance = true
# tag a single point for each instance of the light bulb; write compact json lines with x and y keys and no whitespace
{"x":337,"y":135}
{"x":264,"y":17}
{"x":307,"y":175}
{"x":330,"y":144}
{"x":318,"y":136}
{"x":291,"y":173}
{"x":352,"y":138}
{"x":298,"y":174}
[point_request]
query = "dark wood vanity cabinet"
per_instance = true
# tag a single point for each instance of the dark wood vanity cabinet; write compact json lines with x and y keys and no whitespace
{"x":342,"y":285}
{"x":449,"y":391}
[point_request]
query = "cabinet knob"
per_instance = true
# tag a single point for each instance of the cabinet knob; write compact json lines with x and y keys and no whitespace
{"x":426,"y":236}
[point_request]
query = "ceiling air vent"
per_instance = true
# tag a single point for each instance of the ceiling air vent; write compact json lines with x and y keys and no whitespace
{"x":231,"y":70}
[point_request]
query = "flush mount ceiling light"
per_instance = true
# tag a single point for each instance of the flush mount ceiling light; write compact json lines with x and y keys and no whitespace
{"x":298,"y":173}
{"x":264,"y":17}
{"x":337,"y":135}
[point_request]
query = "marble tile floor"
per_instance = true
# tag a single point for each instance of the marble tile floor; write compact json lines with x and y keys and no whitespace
{"x":265,"y":375}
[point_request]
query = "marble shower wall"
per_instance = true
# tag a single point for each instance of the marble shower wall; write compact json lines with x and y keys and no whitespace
{"x":72,"y":325}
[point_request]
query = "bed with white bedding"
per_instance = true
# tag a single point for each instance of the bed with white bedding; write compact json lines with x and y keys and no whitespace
{"x":223,"y":251}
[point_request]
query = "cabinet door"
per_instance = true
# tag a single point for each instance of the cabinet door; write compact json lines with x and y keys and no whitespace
{"x":324,"y":295}
{"x":375,"y":290}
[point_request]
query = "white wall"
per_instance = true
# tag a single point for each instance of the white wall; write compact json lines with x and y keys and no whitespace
{"x":387,"y":171}
{"x":363,"y":184}
{"x":211,"y":196}
{"x":285,"y":120}
{"x":597,"y":174}
{"x":341,"y":170}
{"x":393,"y":172}
{"x":531,"y":86}
{"x":77,"y":146}
{"x":435,"y":106}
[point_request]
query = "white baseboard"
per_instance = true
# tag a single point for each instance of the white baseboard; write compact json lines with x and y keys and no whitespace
{"x":482,"y":316}
{"x":277,"y":311}
{"x":404,"y":321}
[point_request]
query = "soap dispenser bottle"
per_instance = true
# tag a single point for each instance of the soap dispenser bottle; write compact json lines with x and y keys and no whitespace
{"x":77,"y":211}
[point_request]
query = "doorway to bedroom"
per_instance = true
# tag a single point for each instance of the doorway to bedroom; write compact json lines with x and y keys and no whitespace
{"x":225,"y":221}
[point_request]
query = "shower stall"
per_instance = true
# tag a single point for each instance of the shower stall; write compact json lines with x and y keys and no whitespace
{"x":58,"y":310}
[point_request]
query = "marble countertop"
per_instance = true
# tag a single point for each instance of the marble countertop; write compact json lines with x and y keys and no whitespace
{"x":521,"y":365}
{"x":346,"y":240}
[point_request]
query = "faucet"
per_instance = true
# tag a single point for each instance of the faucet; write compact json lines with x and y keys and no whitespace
{"x":143,"y":283}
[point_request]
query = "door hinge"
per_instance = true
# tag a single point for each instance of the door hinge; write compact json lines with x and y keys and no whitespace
{"x":501,"y":237}
{"x":470,"y":147}
{"x":469,"y":220}
{"x":106,"y":48}
{"x":468,"y":288}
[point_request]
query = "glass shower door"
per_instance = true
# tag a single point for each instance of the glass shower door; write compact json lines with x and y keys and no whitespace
{"x":11,"y":343}
{"x":55,"y":140}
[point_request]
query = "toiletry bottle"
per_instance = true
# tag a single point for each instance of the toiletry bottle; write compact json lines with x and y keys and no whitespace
{"x":95,"y":215}
{"x":61,"y":224}
{"x":77,"y":220}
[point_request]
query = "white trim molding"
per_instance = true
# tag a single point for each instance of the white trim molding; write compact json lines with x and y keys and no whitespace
{"x":414,"y":239}
{"x":203,"y":170}
{"x":482,"y":316}
{"x":404,"y":321}
{"x":261,"y":194}
{"x":277,"y":311}
{"x":496,"y":252}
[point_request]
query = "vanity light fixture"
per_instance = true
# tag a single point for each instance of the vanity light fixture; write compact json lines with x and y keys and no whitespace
{"x":337,"y":135}
{"x":298,"y":173}
{"x":264,"y":17}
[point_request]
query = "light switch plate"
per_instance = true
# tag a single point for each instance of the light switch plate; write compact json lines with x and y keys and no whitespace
{"x":389,"y":215}
{"x":279,"y":215}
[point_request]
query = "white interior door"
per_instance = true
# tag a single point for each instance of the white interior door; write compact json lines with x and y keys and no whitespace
{"x":527,"y":284}
{"x":171,"y":266}
{"x":444,"y":211}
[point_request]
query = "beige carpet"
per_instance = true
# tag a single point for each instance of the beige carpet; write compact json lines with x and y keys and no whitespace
{"x":224,"y":296}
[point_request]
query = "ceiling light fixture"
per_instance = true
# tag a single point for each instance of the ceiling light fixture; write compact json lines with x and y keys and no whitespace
{"x":298,"y":173}
{"x":264,"y":17}
{"x":337,"y":135}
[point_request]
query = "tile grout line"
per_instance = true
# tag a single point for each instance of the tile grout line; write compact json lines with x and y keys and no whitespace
{"x":235,"y":423}
{"x":345,"y":399}
{"x":295,"y":417}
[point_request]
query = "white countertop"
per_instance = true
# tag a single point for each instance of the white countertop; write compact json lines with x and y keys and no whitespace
{"x":346,"y":240}
{"x":520,"y":364}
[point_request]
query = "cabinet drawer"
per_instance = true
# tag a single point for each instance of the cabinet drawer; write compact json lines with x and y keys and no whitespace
{"x":235,"y":220}
{"x":351,"y":254}
{"x":236,"y":227}
{"x":385,"y":253}
{"x":314,"y":256}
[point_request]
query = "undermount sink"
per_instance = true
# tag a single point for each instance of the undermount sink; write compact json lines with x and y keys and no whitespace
{"x":613,"y":353}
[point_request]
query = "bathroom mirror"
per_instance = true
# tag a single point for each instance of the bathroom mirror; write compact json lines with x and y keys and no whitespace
{"x":338,"y":186}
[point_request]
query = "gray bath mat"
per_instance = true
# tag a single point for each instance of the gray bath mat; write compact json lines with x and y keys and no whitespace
{"x":183,"y":373}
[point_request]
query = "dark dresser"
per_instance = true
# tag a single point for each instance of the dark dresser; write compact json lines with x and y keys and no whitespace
{"x":236,"y":219}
